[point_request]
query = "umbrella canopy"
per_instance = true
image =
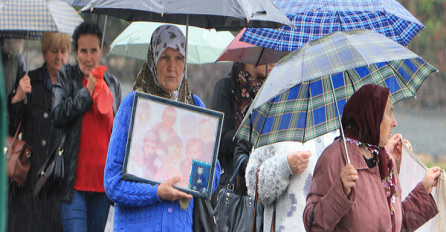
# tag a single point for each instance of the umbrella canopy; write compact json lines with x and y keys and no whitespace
{"x":77,"y":2}
{"x":333,"y":66}
{"x":217,"y":14}
{"x":247,"y":53}
{"x":18,"y":17}
{"x":204,"y":45}
{"x":315,"y":19}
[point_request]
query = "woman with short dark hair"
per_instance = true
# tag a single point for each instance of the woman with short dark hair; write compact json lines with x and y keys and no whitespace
{"x":84,"y":205}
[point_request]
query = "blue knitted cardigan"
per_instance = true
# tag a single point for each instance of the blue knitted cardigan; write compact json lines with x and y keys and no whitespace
{"x":137,"y":205}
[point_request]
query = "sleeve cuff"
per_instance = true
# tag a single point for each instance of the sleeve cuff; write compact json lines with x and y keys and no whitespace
{"x":338,"y":201}
{"x":284,"y":167}
{"x":157,"y":197}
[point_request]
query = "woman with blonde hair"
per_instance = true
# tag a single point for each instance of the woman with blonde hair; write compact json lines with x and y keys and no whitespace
{"x":25,"y":212}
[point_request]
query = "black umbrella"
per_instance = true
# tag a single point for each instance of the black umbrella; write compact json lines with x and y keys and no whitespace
{"x":217,"y":14}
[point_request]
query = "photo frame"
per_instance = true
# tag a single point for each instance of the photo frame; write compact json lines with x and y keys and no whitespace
{"x":169,"y":138}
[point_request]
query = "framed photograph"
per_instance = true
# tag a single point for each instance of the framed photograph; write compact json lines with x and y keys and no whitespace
{"x":169,"y":138}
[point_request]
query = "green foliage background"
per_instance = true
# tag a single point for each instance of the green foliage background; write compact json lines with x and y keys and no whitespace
{"x":430,"y":43}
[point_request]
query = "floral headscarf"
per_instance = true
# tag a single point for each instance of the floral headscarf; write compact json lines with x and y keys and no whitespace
{"x":165,"y":36}
{"x":361,"y":121}
{"x":246,"y":88}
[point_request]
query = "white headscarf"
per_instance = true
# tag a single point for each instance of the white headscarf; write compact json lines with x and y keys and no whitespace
{"x":165,"y":36}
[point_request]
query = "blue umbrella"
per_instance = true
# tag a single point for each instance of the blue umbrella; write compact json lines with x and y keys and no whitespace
{"x":77,"y":2}
{"x":315,"y":19}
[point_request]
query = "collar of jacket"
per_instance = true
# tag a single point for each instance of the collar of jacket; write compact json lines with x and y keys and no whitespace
{"x":355,"y":155}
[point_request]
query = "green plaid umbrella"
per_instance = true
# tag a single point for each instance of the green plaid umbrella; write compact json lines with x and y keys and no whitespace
{"x":296,"y":102}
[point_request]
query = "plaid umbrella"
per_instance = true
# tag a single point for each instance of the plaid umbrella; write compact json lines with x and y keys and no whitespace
{"x":315,"y":19}
{"x":307,"y":109}
{"x":77,"y":2}
{"x":18,"y":17}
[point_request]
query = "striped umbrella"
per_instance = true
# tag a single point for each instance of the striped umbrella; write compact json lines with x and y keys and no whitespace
{"x":306,"y":91}
{"x":314,"y":19}
{"x":20,"y":17}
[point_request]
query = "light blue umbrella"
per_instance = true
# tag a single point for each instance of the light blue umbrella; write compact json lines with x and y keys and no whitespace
{"x":204,"y":45}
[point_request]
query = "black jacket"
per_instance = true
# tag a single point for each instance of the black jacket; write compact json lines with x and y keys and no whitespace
{"x":70,"y":101}
{"x":223,"y":100}
{"x":26,"y":213}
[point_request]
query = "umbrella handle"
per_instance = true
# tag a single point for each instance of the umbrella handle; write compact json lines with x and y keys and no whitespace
{"x":340,"y":121}
{"x":103,"y":36}
{"x":25,"y":101}
{"x":185,"y":57}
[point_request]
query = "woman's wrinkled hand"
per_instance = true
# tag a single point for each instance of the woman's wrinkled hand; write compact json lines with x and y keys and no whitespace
{"x":167,"y":192}
{"x":349,"y":175}
{"x":395,"y":148}
{"x":23,"y":88}
{"x":430,"y":179}
{"x":298,"y":161}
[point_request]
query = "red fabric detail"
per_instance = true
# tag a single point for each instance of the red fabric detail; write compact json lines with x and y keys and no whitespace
{"x":102,"y":97}
{"x":363,"y":112}
{"x":93,"y":146}
{"x":99,"y":71}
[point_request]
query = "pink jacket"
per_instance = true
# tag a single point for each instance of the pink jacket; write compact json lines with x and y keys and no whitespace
{"x":366,"y":209}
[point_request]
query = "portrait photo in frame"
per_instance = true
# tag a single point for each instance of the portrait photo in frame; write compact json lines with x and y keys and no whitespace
{"x":169,"y":138}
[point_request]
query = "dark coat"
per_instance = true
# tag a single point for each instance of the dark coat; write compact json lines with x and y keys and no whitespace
{"x":223,"y":100}
{"x":70,"y":101}
{"x":26,"y":213}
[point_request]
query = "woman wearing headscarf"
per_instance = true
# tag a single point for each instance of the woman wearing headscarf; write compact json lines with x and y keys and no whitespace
{"x":233,"y":95}
{"x":142,"y":206}
{"x":26,"y":212}
{"x":365,"y":195}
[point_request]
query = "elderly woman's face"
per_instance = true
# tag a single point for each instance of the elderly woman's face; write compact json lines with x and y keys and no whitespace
{"x":387,"y":123}
{"x":169,"y":70}
{"x":55,"y":57}
{"x":87,"y":53}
